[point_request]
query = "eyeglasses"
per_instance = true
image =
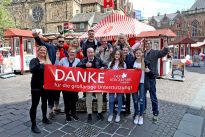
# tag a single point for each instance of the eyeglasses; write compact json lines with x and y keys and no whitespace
{"x":61,"y":41}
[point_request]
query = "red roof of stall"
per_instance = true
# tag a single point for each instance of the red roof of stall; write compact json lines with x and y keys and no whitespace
{"x":114,"y":24}
{"x":183,"y":40}
{"x":17,"y":33}
{"x":156,"y":33}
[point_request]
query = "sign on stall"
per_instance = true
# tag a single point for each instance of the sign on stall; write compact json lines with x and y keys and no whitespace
{"x":178,"y":67}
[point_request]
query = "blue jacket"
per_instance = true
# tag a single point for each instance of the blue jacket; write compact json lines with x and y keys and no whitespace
{"x":52,"y":49}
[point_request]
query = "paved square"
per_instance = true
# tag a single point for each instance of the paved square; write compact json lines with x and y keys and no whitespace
{"x":174,"y":100}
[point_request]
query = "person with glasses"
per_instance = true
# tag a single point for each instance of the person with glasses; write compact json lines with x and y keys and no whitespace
{"x":62,"y":48}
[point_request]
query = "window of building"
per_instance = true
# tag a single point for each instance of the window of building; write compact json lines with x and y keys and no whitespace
{"x":158,"y":24}
{"x":195,"y":27}
{"x":82,"y":25}
{"x":77,"y":11}
{"x":178,"y":25}
{"x":59,"y":28}
{"x":178,"y":33}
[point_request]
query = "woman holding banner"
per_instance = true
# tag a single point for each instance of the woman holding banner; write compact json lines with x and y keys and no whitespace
{"x":37,"y":91}
{"x":115,"y":64}
{"x":70,"y":97}
{"x":138,"y":97}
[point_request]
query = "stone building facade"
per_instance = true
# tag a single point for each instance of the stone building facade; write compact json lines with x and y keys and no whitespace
{"x":52,"y":15}
{"x":190,"y":23}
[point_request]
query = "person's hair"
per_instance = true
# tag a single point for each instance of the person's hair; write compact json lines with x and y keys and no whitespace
{"x":142,"y":58}
{"x":60,"y":36}
{"x":90,"y":49}
{"x":48,"y":61}
{"x":148,"y":41}
{"x":102,"y":38}
{"x":75,"y":40}
{"x":91,"y":30}
{"x":121,"y":60}
{"x":71,"y":48}
{"x":118,"y":40}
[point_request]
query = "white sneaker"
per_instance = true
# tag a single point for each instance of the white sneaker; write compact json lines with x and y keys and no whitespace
{"x":136,"y":121}
{"x":110,"y":118}
{"x":140,"y":122}
{"x":117,"y":119}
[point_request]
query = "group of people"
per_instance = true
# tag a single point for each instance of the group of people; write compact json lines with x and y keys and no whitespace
{"x":91,"y":53}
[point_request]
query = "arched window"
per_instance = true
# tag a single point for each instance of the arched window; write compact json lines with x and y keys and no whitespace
{"x":195,"y":27}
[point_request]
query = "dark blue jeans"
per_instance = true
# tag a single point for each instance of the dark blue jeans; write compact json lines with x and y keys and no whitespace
{"x":150,"y":84}
{"x":111,"y":103}
{"x":138,"y":100}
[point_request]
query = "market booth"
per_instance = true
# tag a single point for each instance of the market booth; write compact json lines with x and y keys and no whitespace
{"x":22,"y":49}
{"x":114,"y":24}
{"x":198,"y":48}
{"x":164,"y":65}
{"x":182,"y":47}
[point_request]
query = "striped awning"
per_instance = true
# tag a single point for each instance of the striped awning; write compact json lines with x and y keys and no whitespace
{"x":114,"y":24}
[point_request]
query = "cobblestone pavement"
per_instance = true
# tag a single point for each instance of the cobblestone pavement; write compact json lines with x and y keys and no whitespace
{"x":174,"y":98}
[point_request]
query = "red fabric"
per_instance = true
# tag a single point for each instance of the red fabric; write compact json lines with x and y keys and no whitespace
{"x":62,"y":53}
{"x":79,"y":54}
{"x":1,"y":58}
{"x":91,"y":80}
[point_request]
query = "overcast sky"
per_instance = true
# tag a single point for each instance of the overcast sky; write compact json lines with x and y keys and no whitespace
{"x":152,"y":7}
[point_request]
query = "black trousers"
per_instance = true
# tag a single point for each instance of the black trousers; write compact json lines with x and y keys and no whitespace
{"x":36,"y":94}
{"x":70,"y":99}
{"x":53,"y":97}
{"x":128,"y":102}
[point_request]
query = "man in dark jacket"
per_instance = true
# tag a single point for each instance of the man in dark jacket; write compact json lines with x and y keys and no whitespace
{"x":152,"y":57}
{"x":90,"y":42}
{"x":92,"y":62}
{"x":129,"y":62}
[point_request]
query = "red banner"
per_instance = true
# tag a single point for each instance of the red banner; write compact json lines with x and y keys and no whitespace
{"x":91,"y":80}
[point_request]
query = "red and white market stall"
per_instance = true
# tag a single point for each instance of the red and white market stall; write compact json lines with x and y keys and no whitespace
{"x":157,"y":44}
{"x":198,"y":48}
{"x":182,"y":47}
{"x":114,"y":24}
{"x":22,"y":49}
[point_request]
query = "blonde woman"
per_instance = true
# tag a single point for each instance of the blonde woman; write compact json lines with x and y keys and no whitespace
{"x":37,"y":91}
{"x":121,"y":42}
{"x":138,"y":97}
{"x":75,"y":44}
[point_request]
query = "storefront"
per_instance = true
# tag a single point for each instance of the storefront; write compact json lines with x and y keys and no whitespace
{"x":21,"y":49}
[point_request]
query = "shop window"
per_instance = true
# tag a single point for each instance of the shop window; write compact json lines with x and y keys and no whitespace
{"x":82,"y":25}
{"x":17,"y":47}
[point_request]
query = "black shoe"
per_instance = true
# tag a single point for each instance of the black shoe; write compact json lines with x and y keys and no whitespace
{"x":35,"y":129}
{"x":100,"y":116}
{"x":134,"y":116}
{"x":89,"y":117}
{"x":68,"y":118}
{"x":75,"y":117}
{"x":46,"y":121}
